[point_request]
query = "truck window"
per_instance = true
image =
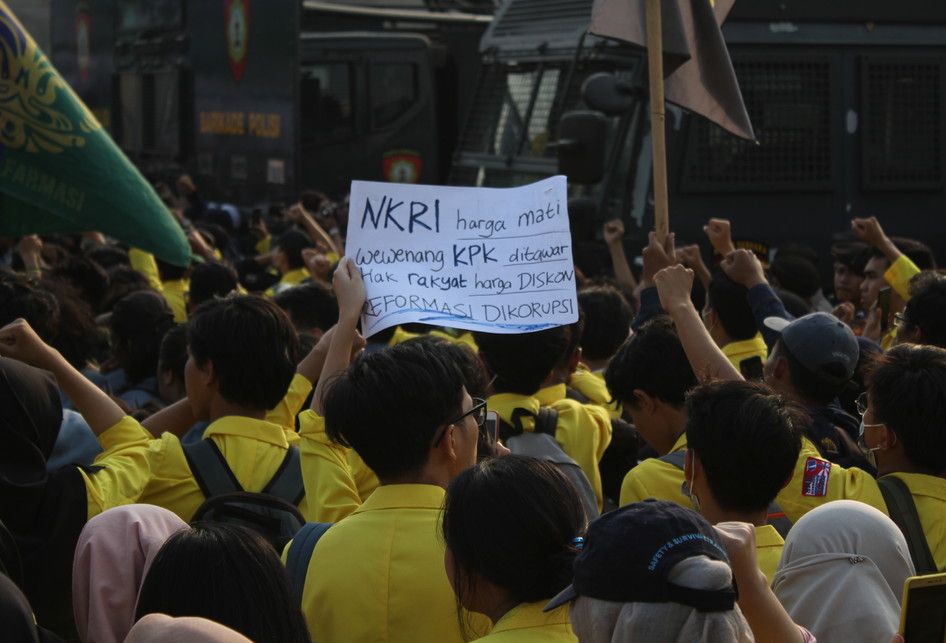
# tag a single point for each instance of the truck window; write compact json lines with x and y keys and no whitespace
{"x":326,"y":100}
{"x":393,"y":92}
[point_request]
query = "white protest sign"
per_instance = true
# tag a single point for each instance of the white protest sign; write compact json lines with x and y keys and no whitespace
{"x":483,"y":259}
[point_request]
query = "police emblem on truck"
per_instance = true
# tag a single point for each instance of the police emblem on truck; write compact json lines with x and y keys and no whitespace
{"x":237,"y":15}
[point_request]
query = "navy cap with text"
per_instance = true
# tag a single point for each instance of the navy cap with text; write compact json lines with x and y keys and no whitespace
{"x":628,"y":554}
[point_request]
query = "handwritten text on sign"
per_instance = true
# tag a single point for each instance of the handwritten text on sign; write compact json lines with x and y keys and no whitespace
{"x":493,"y":260}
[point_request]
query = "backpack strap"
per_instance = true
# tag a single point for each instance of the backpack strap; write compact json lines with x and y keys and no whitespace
{"x":675,"y":458}
{"x":300,"y":553}
{"x":546,"y":421}
{"x":902,"y":511}
{"x":210,"y":469}
{"x":287,"y":482}
{"x":775,"y":516}
{"x":575,"y":394}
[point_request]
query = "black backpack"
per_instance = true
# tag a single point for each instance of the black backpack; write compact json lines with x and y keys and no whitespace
{"x":541,"y":444}
{"x":272,"y":513}
{"x":902,"y":510}
{"x":620,"y":457}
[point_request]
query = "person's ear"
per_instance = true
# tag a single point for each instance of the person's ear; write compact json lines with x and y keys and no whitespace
{"x":644,"y":402}
{"x":781,"y":368}
{"x":207,"y":374}
{"x":447,"y":445}
{"x":888,"y":438}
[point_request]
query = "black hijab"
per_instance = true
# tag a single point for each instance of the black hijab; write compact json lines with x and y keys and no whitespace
{"x":17,"y":616}
{"x":45,"y":512}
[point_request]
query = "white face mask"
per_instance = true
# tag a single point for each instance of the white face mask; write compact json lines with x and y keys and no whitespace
{"x":862,"y":443}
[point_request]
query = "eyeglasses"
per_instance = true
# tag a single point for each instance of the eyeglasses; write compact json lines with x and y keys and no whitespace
{"x":478,"y":411}
{"x":862,"y":403}
{"x":900,"y":322}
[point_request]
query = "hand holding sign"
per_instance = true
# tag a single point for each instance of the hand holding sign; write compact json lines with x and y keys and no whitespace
{"x":349,"y":289}
{"x":493,"y":260}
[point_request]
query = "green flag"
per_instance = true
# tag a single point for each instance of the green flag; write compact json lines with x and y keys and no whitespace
{"x":59,"y":170}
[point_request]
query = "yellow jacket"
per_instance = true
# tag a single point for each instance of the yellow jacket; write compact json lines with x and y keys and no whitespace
{"x":254,"y":449}
{"x":814,"y":482}
{"x":899,"y":274}
{"x":327,"y":473}
{"x":527,"y":623}
{"x":144,"y":263}
{"x":654,"y":478}
{"x":378,"y":576}
{"x":737,"y":352}
{"x":591,"y":385}
{"x":583,"y":430}
{"x":768,"y":550}
{"x":175,"y":293}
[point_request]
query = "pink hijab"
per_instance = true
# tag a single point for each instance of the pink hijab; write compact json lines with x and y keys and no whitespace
{"x":113,"y":555}
{"x":161,"y":628}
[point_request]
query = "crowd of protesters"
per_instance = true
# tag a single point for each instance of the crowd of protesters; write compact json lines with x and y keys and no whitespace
{"x":728,"y":450}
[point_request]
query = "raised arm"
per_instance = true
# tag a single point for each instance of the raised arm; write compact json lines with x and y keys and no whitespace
{"x":706,"y":360}
{"x":350,"y":291}
{"x":719,"y":232}
{"x":743,"y":267}
{"x":20,"y":342}
{"x":769,"y":621}
{"x":656,"y":256}
{"x":614,"y":239}
{"x":316,"y":232}
{"x":870,"y":232}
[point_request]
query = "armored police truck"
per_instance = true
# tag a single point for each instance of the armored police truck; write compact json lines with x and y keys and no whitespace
{"x":259,"y":99}
{"x":848,"y":101}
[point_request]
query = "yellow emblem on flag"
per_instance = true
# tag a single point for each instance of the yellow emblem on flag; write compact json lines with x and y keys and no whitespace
{"x":30,"y":88}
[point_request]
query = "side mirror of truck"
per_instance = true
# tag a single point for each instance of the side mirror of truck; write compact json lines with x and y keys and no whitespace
{"x":609,"y":94}
{"x":581,"y":145}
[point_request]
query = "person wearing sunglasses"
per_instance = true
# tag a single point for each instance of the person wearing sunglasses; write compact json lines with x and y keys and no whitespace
{"x":378,"y":574}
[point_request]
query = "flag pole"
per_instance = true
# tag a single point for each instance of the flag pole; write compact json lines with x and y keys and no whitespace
{"x":657,"y":138}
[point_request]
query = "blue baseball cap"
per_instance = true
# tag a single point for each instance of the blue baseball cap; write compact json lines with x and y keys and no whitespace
{"x":821,"y":343}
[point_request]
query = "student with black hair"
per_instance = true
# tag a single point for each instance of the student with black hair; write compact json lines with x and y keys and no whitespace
{"x":210,"y":280}
{"x":650,"y":376}
{"x":849,"y":259}
{"x":288,"y":259}
{"x":732,"y":326}
{"x":812,"y":360}
{"x":923,"y":320}
{"x":527,"y":371}
{"x":228,"y":575}
{"x":311,"y":307}
{"x":138,"y":324}
{"x":378,"y":575}
{"x":231,"y":389}
{"x":904,"y":428}
{"x":123,"y":280}
{"x":743,"y":442}
{"x":510,"y":578}
{"x":86,"y":276}
{"x":815,"y":480}
{"x":607,"y":323}
{"x":893,"y":262}
{"x":172,"y":359}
